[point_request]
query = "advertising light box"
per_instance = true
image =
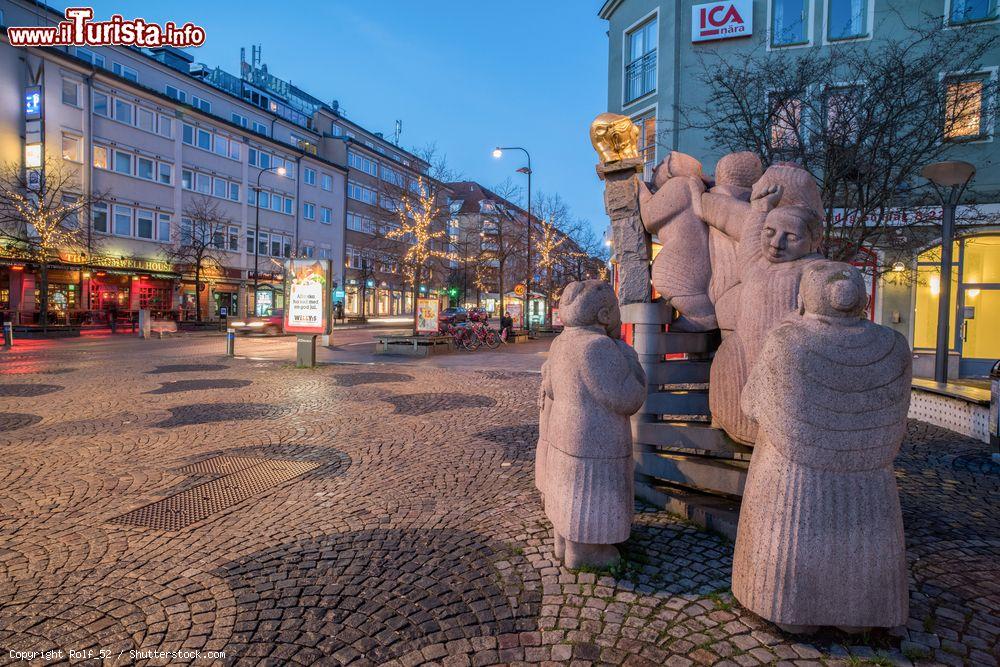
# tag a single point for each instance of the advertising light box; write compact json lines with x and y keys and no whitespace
{"x":307,"y":296}
{"x":721,"y":20}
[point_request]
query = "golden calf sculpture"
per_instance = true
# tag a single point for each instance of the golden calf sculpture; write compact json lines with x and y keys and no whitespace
{"x":615,"y":137}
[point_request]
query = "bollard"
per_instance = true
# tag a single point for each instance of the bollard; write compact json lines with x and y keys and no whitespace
{"x":8,"y":334}
{"x":994,"y":425}
{"x":305,"y":351}
{"x":231,"y":342}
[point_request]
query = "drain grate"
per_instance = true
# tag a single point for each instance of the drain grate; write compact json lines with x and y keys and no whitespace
{"x":243,"y":477}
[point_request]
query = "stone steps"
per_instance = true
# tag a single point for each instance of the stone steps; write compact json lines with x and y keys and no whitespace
{"x":712,"y":511}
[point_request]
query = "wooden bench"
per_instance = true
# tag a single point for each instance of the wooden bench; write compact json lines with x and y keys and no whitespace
{"x":412,"y":346}
{"x":160,"y":328}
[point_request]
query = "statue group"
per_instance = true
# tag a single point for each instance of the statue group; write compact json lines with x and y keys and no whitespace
{"x":801,"y":375}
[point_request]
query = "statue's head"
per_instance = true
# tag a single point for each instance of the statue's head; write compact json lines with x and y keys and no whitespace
{"x":590,"y":302}
{"x":832,"y":289}
{"x":789,"y":233}
{"x":740,"y":169}
{"x":615,"y":137}
{"x":798,"y":187}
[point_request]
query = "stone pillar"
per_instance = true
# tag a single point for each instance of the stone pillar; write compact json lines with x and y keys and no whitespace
{"x":631,"y":242}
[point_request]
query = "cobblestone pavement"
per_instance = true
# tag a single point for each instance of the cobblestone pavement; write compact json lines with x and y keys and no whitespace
{"x":157,"y":496}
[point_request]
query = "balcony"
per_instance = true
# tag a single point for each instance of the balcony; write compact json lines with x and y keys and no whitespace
{"x":640,"y":77}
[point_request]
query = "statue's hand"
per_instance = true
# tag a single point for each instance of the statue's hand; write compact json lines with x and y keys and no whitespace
{"x":767,"y":199}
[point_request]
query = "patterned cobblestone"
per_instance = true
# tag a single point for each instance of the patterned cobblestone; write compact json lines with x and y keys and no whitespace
{"x":409,"y":534}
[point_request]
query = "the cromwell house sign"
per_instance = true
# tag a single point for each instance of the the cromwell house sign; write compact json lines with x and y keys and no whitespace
{"x":721,"y":20}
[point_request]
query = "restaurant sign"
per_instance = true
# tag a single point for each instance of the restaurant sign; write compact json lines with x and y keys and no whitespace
{"x":307,"y":296}
{"x":97,"y":261}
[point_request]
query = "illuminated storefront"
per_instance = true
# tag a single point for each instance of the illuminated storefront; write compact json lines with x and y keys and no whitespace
{"x":975,"y":302}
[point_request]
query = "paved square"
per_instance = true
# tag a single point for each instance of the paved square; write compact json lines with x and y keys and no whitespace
{"x":386,"y":515}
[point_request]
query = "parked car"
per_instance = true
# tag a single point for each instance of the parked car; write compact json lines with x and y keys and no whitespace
{"x":271,"y":325}
{"x":453,"y":315}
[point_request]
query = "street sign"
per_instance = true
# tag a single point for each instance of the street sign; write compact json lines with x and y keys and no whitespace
{"x":307,"y":298}
{"x":721,"y":20}
{"x":32,"y":102}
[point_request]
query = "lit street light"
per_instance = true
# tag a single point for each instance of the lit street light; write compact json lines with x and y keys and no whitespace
{"x":949,"y":180}
{"x":498,"y":153}
{"x":280,"y":171}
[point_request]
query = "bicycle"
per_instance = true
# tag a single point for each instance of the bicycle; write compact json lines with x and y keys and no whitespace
{"x":487,"y":335}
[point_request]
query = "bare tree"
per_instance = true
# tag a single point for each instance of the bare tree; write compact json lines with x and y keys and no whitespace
{"x":862,"y":118}
{"x":503,"y":240}
{"x":420,"y":226}
{"x":38,"y":218}
{"x":201,"y":241}
{"x":440,"y":169}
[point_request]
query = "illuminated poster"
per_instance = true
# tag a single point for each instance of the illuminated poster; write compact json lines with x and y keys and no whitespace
{"x":516,"y":311}
{"x":307,"y":297}
{"x":427,"y":315}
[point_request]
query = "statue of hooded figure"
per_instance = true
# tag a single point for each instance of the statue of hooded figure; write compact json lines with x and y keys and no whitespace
{"x":592,"y":384}
{"x":820,"y":537}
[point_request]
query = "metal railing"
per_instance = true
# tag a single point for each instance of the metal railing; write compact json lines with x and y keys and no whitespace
{"x":640,"y":76}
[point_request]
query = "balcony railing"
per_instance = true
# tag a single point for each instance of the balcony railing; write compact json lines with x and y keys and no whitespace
{"x":640,"y":77}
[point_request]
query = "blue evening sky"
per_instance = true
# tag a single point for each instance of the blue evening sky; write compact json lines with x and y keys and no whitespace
{"x":466,"y":74}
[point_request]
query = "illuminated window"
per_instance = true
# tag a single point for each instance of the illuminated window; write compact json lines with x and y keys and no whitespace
{"x":786,"y":118}
{"x":647,"y":144}
{"x":963,"y":117}
{"x":100,"y":157}
{"x":71,"y":148}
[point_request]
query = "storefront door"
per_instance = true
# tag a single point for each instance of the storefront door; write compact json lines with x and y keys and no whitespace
{"x":226,"y":304}
{"x":980,"y":341}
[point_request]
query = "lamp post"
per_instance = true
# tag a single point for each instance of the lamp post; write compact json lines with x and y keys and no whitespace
{"x":949,"y":180}
{"x":498,"y":153}
{"x":280,"y":171}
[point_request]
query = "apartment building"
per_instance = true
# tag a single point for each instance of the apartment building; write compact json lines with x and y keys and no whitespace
{"x":380,"y":175}
{"x":656,"y":56}
{"x":489,"y":237}
{"x":153,"y":133}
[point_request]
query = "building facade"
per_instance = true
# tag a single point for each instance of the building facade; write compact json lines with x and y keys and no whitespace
{"x":489,"y":237}
{"x":657,"y":52}
{"x":153,"y":136}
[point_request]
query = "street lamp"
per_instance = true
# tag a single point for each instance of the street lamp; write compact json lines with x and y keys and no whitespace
{"x":949,"y":180}
{"x":498,"y":153}
{"x":280,"y":171}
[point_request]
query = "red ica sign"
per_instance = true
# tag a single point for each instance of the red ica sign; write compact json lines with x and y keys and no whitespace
{"x":721,"y":20}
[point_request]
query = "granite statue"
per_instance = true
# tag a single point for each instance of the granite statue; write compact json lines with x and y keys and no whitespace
{"x":616,"y":140}
{"x":820,"y":537}
{"x":542,"y":447}
{"x":593,"y":383}
{"x":735,"y":175}
{"x":778,"y":234}
{"x":672,"y":212}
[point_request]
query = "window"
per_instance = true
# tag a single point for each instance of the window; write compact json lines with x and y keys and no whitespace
{"x":123,"y":111}
{"x":789,"y":22}
{"x":71,"y":92}
{"x":361,"y":193}
{"x":250,"y":240}
{"x":187,"y":179}
{"x":262,"y":243}
{"x":289,"y":205}
{"x":187,"y":233}
{"x":199,"y":103}
{"x":242,"y":121}
{"x":204,"y":139}
{"x":264,"y":200}
{"x":221,"y":146}
{"x":309,"y":176}
{"x":363,"y":163}
{"x":101,"y":104}
{"x":786,"y":121}
{"x":123,"y":221}
{"x":640,"y":70}
{"x":176,"y":93}
{"x":325,"y":215}
{"x":234,"y":191}
{"x":188,"y":135}
{"x":144,"y":168}
{"x":144,"y":224}
{"x":964,"y":106}
{"x":99,"y":216}
{"x":276,"y":246}
{"x":327,"y":182}
{"x":970,"y":11}
{"x":166,"y":173}
{"x":843,"y":113}
{"x":123,"y":163}
{"x":392,"y":176}
{"x":166,"y":127}
{"x":647,"y":143}
{"x":163,"y":228}
{"x":276,"y":201}
{"x":260,"y":128}
{"x":335,"y":129}
{"x":846,"y":19}
{"x":146,"y":120}
{"x":71,"y":148}
{"x":91,"y":57}
{"x":125,"y":72}
{"x":203,"y":184}
{"x":308,"y":250}
{"x":309,"y":211}
{"x":234,"y":239}
{"x":220,"y":188}
{"x":100,"y":157}
{"x":234,"y":149}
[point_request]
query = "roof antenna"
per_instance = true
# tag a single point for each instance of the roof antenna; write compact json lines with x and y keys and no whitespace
{"x":399,"y":131}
